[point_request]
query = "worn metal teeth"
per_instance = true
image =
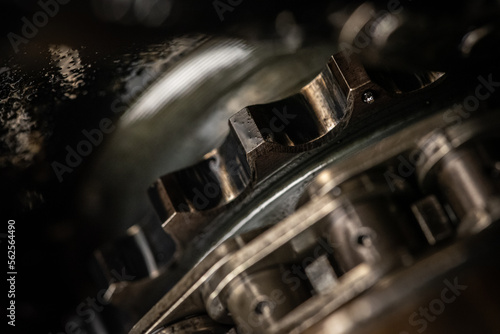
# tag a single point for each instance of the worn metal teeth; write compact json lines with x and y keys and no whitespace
{"x":355,"y":233}
{"x":262,"y":138}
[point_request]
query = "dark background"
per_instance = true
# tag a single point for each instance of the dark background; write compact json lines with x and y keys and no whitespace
{"x":53,"y":242}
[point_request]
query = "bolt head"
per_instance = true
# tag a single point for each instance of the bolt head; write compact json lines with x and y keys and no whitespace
{"x":368,"y":97}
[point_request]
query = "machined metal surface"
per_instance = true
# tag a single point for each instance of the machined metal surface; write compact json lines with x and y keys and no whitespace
{"x":343,"y":199}
{"x":291,"y":197}
{"x":263,"y":138}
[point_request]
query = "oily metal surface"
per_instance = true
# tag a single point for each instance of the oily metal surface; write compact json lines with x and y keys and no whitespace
{"x":240,"y":74}
{"x":458,"y":277}
{"x":226,"y":225}
{"x":190,"y":116}
{"x":74,"y":69}
{"x":222,"y":271}
{"x":263,"y":138}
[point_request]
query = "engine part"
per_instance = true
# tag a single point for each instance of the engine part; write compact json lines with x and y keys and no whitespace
{"x":291,"y":197}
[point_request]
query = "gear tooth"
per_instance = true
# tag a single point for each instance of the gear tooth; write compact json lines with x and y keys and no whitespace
{"x":261,"y":140}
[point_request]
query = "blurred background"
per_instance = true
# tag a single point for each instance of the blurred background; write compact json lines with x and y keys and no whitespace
{"x":153,"y":83}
